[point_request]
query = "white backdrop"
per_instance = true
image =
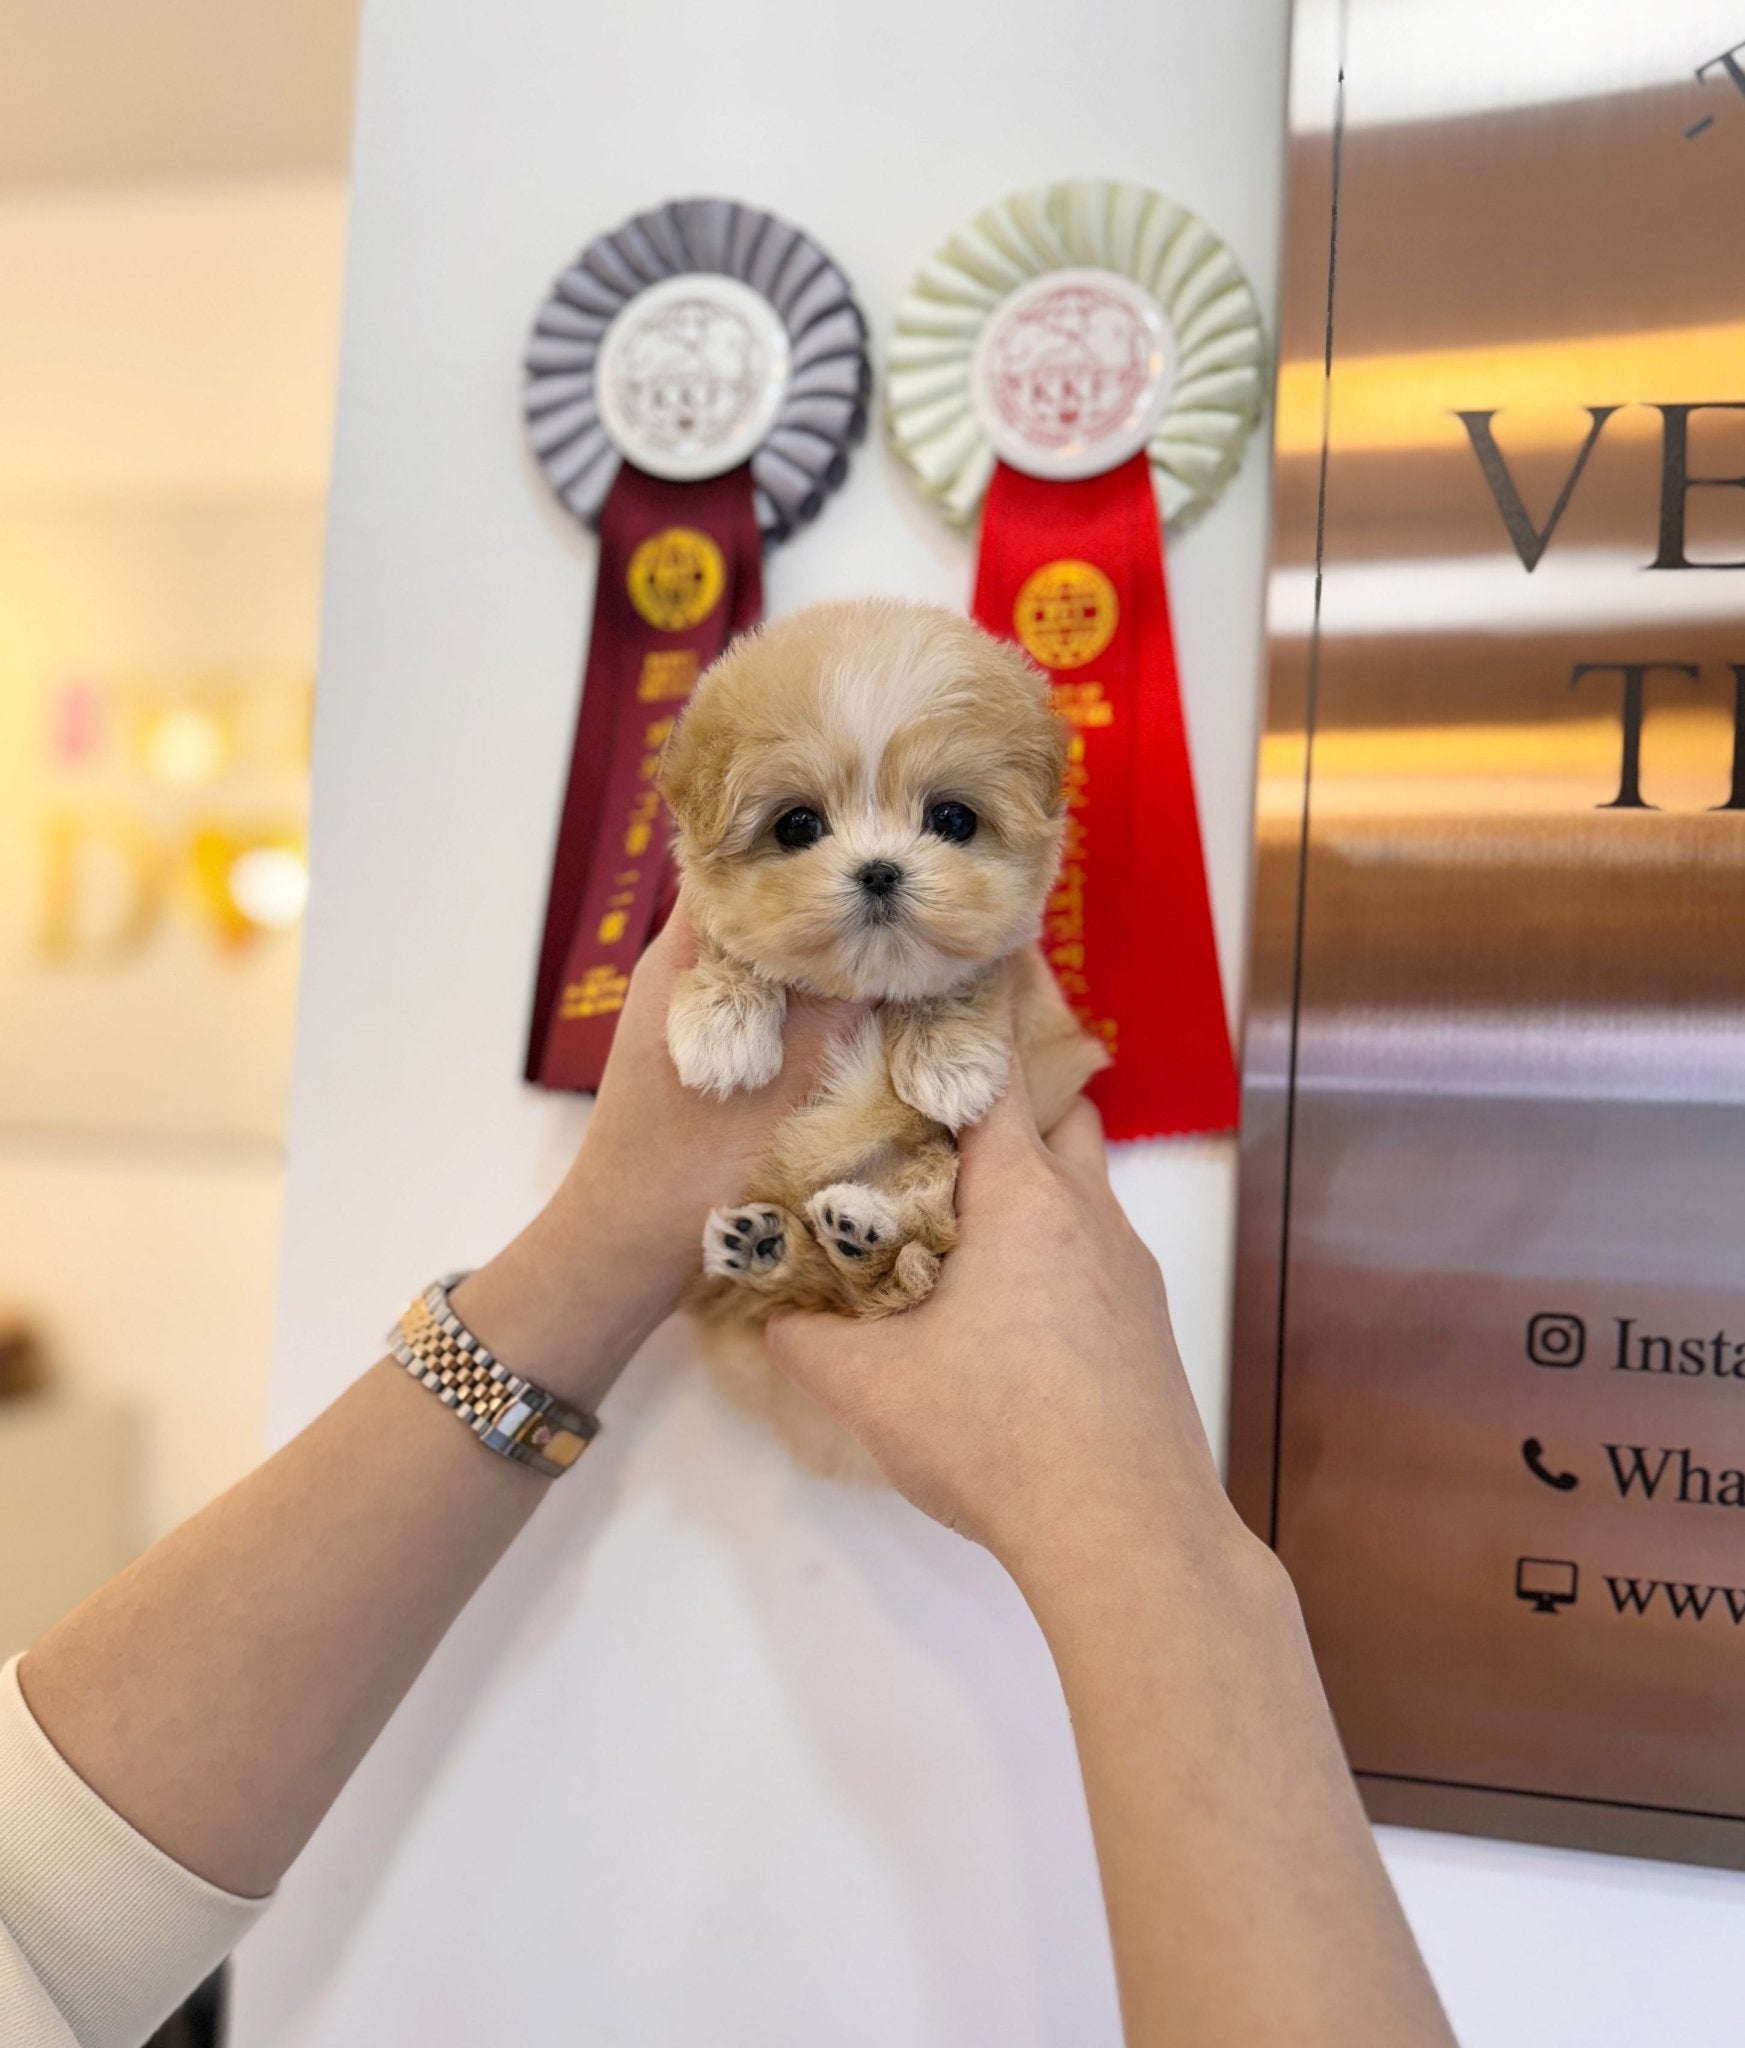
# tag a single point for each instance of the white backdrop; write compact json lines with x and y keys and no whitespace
{"x":792,"y":1769}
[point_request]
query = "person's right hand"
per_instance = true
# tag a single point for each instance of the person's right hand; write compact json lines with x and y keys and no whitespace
{"x":1036,"y":1400}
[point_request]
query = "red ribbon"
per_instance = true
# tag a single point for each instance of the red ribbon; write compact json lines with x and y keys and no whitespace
{"x":680,"y":573}
{"x":1074,"y":573}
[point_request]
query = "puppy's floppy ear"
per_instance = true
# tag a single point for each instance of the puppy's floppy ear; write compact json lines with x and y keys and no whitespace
{"x":1040,"y":746}
{"x":693,"y":773}
{"x":1055,"y":743}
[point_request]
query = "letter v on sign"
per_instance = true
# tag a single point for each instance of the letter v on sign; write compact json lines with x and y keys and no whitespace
{"x":1530,"y":541}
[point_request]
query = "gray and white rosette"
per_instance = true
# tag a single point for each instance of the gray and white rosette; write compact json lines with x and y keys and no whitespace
{"x":694,"y":338}
{"x":1066,"y":328}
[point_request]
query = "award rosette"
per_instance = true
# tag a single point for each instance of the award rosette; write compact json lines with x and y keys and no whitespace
{"x":1083,"y":364}
{"x":694,"y":381}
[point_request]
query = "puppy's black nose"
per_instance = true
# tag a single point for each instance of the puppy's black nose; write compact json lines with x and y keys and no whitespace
{"x":879,"y":877}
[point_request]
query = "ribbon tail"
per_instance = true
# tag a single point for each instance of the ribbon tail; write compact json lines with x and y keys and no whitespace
{"x":680,"y":573}
{"x":1175,"y":1073}
{"x":1074,"y":571}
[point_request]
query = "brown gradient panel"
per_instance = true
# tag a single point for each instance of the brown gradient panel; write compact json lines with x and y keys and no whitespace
{"x":1430,"y":499}
{"x":1460,"y":935}
{"x":1511,"y":689}
{"x":1580,"y":217}
{"x":1495,"y":1056}
{"x":1407,"y":1504}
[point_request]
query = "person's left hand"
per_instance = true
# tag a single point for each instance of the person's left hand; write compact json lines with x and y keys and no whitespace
{"x":607,"y":1258}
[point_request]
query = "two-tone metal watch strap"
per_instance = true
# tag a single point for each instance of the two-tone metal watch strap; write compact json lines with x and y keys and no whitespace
{"x":508,"y":1414}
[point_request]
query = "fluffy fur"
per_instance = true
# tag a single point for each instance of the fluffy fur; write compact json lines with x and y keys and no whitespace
{"x":869,"y":715}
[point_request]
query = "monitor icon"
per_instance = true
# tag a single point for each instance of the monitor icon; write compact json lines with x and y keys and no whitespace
{"x":1548,"y":1582}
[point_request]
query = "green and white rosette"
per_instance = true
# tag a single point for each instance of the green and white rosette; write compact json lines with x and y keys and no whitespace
{"x":968,"y":352}
{"x":1077,"y":368}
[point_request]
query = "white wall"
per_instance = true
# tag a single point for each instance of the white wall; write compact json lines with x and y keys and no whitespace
{"x":792,"y":1765}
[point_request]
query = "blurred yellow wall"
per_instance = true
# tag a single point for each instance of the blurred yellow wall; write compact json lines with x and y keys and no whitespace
{"x":166,"y":370}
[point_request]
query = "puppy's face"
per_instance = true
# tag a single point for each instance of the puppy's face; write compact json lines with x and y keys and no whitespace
{"x":868,"y":800}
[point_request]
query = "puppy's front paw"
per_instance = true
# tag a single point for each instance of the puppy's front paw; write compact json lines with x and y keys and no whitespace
{"x":748,"y":1243}
{"x":852,"y":1222}
{"x":948,"y":1073}
{"x":725,"y":1032}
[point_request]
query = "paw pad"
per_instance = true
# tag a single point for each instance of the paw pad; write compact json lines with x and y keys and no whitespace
{"x":835,"y":1220}
{"x":850,"y":1220}
{"x":738,"y":1246}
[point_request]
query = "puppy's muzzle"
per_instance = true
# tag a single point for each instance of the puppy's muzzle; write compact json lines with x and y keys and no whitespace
{"x":880,"y":881}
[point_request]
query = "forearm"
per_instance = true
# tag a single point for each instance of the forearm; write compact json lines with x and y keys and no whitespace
{"x":219,"y":1693}
{"x":1247,"y":1904}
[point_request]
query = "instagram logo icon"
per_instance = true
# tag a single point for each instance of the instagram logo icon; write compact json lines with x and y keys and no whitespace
{"x":1556,"y":1340}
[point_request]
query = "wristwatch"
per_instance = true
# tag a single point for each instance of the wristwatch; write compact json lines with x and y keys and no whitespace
{"x":508,"y":1414}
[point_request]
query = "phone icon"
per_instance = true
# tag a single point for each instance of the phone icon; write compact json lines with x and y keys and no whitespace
{"x":1534,"y":1453}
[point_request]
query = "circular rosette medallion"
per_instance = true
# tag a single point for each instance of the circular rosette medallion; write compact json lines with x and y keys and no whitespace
{"x":1065,"y":329}
{"x":1065,"y":614}
{"x":692,"y":339}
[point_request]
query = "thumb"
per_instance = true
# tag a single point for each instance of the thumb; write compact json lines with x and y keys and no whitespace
{"x":1078,"y":1140}
{"x":823,"y":1355}
{"x":1007,"y":1135}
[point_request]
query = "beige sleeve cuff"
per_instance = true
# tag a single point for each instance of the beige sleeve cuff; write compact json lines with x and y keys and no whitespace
{"x":115,"y":1932}
{"x":27,"y":2014}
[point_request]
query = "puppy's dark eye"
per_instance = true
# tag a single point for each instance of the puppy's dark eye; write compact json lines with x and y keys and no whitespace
{"x":800,"y":827}
{"x":951,"y":820}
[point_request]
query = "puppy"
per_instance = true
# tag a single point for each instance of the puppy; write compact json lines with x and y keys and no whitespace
{"x":868,"y":806}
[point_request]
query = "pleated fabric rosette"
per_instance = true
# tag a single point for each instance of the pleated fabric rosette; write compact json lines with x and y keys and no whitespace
{"x":1082,"y":365}
{"x":694,"y":383}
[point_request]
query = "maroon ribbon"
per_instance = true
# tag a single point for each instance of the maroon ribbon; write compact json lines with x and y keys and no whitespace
{"x":680,"y":573}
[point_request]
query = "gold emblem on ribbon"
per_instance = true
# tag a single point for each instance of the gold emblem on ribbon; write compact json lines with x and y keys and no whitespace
{"x":1065,"y":614}
{"x":676,"y":578}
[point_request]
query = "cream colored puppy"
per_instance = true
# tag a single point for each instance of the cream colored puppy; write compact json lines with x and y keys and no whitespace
{"x":868,"y":802}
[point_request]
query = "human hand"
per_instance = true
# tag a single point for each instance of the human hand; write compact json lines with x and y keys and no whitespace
{"x":1036,"y":1401}
{"x":608,"y":1257}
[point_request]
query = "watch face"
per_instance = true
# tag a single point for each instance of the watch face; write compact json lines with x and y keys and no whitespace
{"x":1071,"y":373}
{"x":692,"y":375}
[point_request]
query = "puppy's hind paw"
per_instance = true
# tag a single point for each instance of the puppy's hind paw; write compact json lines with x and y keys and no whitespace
{"x":747,"y":1243}
{"x":852,"y":1222}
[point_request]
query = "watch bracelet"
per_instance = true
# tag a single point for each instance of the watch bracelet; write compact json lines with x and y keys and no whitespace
{"x":508,"y":1413}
